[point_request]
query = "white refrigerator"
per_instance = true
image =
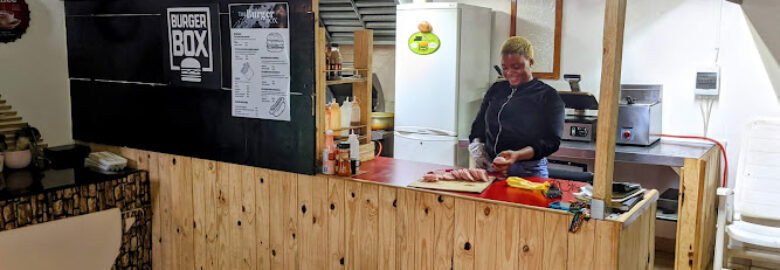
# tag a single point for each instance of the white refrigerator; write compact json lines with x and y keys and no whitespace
{"x":438,"y":93}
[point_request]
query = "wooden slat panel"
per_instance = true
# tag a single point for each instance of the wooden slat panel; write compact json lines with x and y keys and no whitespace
{"x":352,"y":223}
{"x":312,"y":220}
{"x":555,"y":240}
{"x":690,"y":210}
{"x":387,"y":213}
{"x":651,"y":237}
{"x":444,"y":215}
{"x":181,"y":187}
{"x":709,"y":207}
{"x":425,"y":218}
{"x":369,"y":224}
{"x":318,"y":252}
{"x":406,"y":229}
{"x":234,"y":205}
{"x":262,"y":218}
{"x":581,"y":252}
{"x":336,"y":224}
{"x":532,"y":230}
{"x":614,"y":22}
{"x":606,"y":244}
{"x":464,"y":234}
{"x":277,"y":222}
{"x":304,"y":220}
{"x":630,"y":245}
{"x":508,"y":238}
{"x":290,"y":191}
{"x":246,"y":220}
{"x":223,"y":218}
{"x":485,"y":243}
{"x":157,"y":213}
{"x":204,"y":179}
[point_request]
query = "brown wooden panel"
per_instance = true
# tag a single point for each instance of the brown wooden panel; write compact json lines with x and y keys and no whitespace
{"x":181,"y":208}
{"x":246,"y":219}
{"x":158,"y":249}
{"x":406,"y":229}
{"x":464,"y":234}
{"x":485,"y":243}
{"x":444,"y":215}
{"x":277,"y":221}
{"x":262,"y":217}
{"x":651,"y":238}
{"x":531,"y":243}
{"x":425,"y":218}
{"x":507,"y":237}
{"x":386,"y":230}
{"x":204,"y":180}
{"x":581,"y":254}
{"x":352,"y":223}
{"x":223,"y":220}
{"x":690,"y":210}
{"x":234,"y":208}
{"x":369,"y":224}
{"x":292,"y":256}
{"x":336,"y":224}
{"x":606,"y":244}
{"x":555,"y":240}
{"x":312,"y":221}
{"x":167,"y":231}
{"x":712,"y":181}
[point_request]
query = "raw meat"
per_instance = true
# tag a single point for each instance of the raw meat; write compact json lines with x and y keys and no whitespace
{"x":472,"y":175}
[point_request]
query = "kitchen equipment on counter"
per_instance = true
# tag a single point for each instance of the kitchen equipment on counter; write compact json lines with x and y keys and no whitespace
{"x":578,"y":126}
{"x":382,"y":120}
{"x":639,"y":114}
{"x":439,"y":91}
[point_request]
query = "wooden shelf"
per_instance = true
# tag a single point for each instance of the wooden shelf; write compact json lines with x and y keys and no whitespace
{"x":348,"y":128}
{"x":346,"y":69}
{"x":345,"y":81}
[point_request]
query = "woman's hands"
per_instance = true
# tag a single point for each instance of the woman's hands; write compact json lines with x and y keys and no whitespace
{"x":504,"y":160}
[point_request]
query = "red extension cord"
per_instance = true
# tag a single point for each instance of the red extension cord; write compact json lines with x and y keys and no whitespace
{"x":722,"y":150}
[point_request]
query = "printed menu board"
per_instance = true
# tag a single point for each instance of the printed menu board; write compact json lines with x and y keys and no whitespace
{"x":260,"y":51}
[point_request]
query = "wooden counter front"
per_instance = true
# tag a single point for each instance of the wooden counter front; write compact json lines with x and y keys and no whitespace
{"x":213,"y":215}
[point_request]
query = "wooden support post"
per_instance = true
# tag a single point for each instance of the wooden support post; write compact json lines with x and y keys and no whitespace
{"x":614,"y":22}
{"x":364,"y":49}
{"x":319,"y":90}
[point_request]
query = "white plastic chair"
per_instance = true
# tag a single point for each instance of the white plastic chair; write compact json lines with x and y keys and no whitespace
{"x":752,"y":222}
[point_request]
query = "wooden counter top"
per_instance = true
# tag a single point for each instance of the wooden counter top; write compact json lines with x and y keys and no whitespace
{"x":400,"y":173}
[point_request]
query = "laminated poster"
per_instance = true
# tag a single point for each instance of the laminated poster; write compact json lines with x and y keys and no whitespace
{"x":260,"y":51}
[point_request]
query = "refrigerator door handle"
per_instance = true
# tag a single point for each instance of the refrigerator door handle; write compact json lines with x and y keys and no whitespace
{"x":423,"y":137}
{"x":426,"y":131}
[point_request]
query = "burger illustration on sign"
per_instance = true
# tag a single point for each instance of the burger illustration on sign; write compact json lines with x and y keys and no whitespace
{"x":424,"y":42}
{"x":274,"y":42}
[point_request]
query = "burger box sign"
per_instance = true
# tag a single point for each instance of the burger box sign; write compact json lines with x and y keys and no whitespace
{"x":193,"y":50}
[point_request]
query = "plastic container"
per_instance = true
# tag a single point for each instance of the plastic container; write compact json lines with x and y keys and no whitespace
{"x":346,"y":116}
{"x":356,"y":115}
{"x":329,"y":154}
{"x":335,"y":116}
{"x":327,"y":117}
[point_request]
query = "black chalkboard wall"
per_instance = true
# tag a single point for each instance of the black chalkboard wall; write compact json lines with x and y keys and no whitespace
{"x":120,"y":94}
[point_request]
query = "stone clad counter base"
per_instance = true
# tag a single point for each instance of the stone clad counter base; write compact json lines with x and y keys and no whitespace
{"x":132,"y":195}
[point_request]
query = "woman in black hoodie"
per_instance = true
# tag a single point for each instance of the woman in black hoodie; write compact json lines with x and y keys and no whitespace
{"x":521,"y":119}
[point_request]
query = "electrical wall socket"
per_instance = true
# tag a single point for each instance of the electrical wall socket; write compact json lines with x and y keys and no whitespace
{"x":708,"y":81}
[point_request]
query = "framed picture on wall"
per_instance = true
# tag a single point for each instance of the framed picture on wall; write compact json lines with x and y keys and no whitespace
{"x":540,"y":22}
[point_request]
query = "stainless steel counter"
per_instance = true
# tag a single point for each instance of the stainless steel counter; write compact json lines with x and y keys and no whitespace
{"x":664,"y":152}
